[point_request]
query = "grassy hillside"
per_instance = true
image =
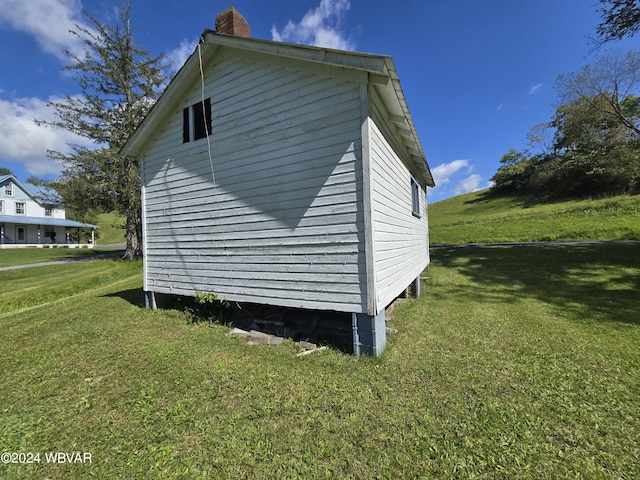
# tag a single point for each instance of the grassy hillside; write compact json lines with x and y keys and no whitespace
{"x":111,"y":231}
{"x":479,"y":217}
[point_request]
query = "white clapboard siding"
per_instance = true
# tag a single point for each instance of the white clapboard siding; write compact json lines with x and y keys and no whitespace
{"x":283,"y":222}
{"x":400,"y":239}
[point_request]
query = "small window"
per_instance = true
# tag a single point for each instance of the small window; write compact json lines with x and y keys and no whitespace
{"x":415,"y":197}
{"x":21,"y":208}
{"x":196,"y":121}
{"x":48,"y":211}
{"x":8,"y":190}
{"x":1,"y":206}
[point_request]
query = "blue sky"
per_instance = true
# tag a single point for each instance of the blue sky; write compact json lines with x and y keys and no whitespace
{"x":477,"y":74}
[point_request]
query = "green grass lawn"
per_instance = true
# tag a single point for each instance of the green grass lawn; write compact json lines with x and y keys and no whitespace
{"x":26,"y":256}
{"x":111,"y":229}
{"x":518,"y":362}
{"x":480,"y":217}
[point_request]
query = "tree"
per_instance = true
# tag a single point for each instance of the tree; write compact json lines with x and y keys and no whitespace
{"x":585,"y":125}
{"x":5,"y":171}
{"x":609,"y":86}
{"x":620,"y":18}
{"x":541,"y":137}
{"x":120,"y":82}
{"x":514,"y":173}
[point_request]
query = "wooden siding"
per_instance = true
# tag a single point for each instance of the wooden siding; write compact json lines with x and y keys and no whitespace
{"x":283,"y":222}
{"x":400,"y":239}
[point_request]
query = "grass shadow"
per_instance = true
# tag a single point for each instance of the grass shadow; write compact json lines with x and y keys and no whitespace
{"x":598,"y":281}
{"x":521,"y":201}
{"x":308,"y":327}
{"x":135,"y":296}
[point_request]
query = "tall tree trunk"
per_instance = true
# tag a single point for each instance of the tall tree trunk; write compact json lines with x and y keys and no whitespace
{"x":130,"y":233}
{"x":139,"y":232}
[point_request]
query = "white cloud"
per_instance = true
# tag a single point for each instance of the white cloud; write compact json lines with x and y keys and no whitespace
{"x":442,"y":173}
{"x":469,"y":184}
{"x":21,"y":140}
{"x":320,"y":27}
{"x":535,"y":89}
{"x":179,"y":55}
{"x":49,"y":21}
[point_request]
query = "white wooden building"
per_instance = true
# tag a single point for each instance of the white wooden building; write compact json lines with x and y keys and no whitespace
{"x":284,"y":175}
{"x":25,"y":221}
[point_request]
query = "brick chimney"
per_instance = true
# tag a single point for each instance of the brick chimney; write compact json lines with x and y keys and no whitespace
{"x":230,"y":22}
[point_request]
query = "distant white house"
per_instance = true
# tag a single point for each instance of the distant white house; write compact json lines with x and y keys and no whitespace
{"x":26,"y":222}
{"x":284,"y":175}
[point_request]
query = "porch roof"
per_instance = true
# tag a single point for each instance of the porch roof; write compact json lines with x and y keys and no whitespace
{"x":55,"y":222}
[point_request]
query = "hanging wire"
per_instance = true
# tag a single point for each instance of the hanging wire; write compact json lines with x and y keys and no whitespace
{"x":213,"y":175}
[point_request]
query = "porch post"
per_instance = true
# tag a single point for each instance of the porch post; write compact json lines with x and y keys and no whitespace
{"x":1,"y":233}
{"x":38,"y":234}
{"x":369,"y":335}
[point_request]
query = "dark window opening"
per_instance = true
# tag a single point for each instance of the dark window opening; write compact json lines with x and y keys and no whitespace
{"x":415,"y":197}
{"x":196,"y":121}
{"x":202,"y":120}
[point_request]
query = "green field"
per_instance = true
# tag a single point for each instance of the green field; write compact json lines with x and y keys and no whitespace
{"x":481,"y":217}
{"x":516,"y":362}
{"x":111,"y":229}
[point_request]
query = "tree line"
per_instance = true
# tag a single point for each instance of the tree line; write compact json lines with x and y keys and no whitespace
{"x":591,"y":145}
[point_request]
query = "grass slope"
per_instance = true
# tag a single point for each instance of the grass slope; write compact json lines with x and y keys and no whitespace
{"x":479,"y":217}
{"x":516,"y":362}
{"x":111,"y":229}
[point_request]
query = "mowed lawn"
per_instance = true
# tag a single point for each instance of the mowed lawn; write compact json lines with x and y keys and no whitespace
{"x":517,"y":362}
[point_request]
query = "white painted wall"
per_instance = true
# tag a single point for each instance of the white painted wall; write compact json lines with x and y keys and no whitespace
{"x":284,"y":222}
{"x":400,"y":239}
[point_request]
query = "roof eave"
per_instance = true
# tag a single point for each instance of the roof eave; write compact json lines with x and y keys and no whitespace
{"x":393,"y":97}
{"x":380,"y":69}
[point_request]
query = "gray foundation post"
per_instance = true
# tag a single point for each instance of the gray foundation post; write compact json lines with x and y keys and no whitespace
{"x":150,"y":300}
{"x":416,"y":287}
{"x":369,"y":335}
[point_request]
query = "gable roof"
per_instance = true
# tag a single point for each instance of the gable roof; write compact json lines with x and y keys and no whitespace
{"x":5,"y":178}
{"x":379,"y":68}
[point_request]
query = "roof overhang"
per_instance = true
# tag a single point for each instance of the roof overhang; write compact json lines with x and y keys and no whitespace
{"x":49,"y":221}
{"x":380,"y":70}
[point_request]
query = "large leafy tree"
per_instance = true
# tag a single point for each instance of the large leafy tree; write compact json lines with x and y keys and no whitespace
{"x":119,"y":82}
{"x":608,"y":86}
{"x":620,"y":18}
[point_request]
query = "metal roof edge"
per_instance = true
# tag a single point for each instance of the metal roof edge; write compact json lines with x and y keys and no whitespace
{"x":56,"y":222}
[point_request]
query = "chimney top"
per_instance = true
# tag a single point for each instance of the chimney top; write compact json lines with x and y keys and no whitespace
{"x":230,"y":22}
